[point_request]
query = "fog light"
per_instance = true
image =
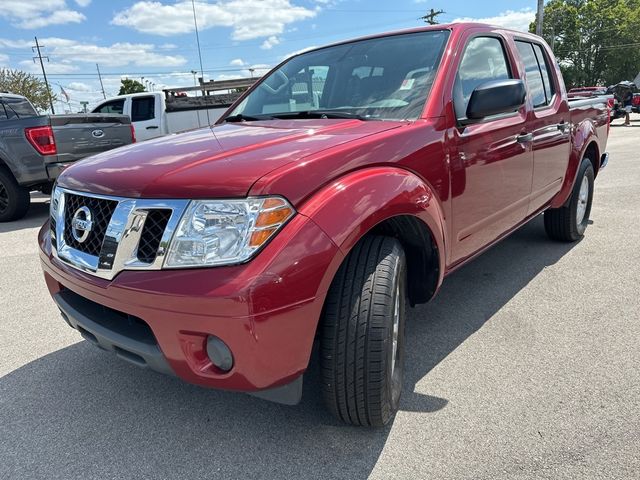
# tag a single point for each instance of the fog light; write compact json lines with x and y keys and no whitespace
{"x":219,"y":353}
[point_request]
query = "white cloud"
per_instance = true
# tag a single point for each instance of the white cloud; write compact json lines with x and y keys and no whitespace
{"x":31,"y":14}
{"x":56,"y":18}
{"x":517,"y":20}
{"x":237,"y":62}
{"x":270,"y":42}
{"x":248,"y":19}
{"x":4,"y":60}
{"x":52,"y":67}
{"x":65,"y":53}
{"x":83,"y":3}
{"x":79,"y":87}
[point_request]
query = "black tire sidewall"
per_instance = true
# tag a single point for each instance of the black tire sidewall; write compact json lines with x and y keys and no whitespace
{"x":18,"y":198}
{"x":586,"y":169}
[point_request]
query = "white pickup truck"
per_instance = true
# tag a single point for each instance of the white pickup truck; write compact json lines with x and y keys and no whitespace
{"x":154,"y":114}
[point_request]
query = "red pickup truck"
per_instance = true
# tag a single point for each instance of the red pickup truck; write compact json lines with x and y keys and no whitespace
{"x":343,"y":186}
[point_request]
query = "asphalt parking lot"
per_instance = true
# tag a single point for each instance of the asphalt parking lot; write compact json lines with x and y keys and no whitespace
{"x":525,"y":366}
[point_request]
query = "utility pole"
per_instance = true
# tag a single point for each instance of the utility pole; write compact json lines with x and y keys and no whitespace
{"x":101,"y":85}
{"x":539,"y":17}
{"x":44,"y":74}
{"x":430,"y":17}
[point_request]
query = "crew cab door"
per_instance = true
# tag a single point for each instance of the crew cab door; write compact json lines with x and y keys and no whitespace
{"x":550,"y":124}
{"x":491,"y":159}
{"x":145,"y":116}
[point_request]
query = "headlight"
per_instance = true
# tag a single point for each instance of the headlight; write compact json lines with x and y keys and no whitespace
{"x":223,"y":232}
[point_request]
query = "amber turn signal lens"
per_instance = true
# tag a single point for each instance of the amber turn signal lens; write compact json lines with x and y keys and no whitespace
{"x":270,"y":203}
{"x":274,"y":217}
{"x":261,"y":236}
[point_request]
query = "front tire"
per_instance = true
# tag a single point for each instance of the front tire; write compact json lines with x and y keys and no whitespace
{"x":568,"y":223}
{"x":362,"y":334}
{"x":14,"y":199}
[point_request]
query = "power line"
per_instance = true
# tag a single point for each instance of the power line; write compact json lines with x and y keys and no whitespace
{"x":44,"y":73}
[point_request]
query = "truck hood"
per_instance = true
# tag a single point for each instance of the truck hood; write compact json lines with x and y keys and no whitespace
{"x":222,"y":161}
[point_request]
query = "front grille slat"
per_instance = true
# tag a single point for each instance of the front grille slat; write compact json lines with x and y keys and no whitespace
{"x":154,"y":227}
{"x":101,"y":212}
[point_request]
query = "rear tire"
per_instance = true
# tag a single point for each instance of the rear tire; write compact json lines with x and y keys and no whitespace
{"x":362,"y":334}
{"x":14,"y":199}
{"x":568,"y":223}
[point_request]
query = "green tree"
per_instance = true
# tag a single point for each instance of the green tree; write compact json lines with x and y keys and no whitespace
{"x":596,"y":42}
{"x":27,"y":85}
{"x":130,"y":86}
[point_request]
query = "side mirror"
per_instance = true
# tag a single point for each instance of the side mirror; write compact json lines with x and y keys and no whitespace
{"x":495,"y":97}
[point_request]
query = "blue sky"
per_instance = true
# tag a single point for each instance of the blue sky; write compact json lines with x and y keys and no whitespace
{"x":156,"y":40}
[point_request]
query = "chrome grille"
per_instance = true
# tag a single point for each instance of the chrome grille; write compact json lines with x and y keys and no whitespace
{"x":52,"y":222}
{"x":124,"y":233}
{"x":154,"y":227}
{"x":101,"y":210}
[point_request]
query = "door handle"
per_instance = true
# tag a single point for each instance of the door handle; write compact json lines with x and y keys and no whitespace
{"x":562,"y":126}
{"x":525,"y":138}
{"x":152,"y":127}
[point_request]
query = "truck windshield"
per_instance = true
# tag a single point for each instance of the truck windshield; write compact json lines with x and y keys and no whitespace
{"x":386,"y":78}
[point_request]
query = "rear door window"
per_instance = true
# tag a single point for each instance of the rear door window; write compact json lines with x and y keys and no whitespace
{"x":484,"y":60}
{"x":142,"y":108}
{"x":536,"y":73}
{"x":115,"y":106}
{"x":545,"y":70}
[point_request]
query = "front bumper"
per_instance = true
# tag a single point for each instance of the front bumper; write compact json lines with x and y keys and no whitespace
{"x":266,"y":311}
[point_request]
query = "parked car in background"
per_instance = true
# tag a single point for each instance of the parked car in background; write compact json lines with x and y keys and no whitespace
{"x":341,"y":188}
{"x":154,"y":114}
{"x":620,"y":92}
{"x":35,"y":148}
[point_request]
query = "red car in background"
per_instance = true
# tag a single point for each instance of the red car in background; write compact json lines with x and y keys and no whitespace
{"x":635,"y":105}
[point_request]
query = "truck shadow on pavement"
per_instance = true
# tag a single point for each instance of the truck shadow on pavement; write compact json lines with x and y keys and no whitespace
{"x":80,"y":412}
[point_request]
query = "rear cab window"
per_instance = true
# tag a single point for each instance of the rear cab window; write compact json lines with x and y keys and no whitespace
{"x":114,"y":106}
{"x":484,"y":60}
{"x":537,"y":73}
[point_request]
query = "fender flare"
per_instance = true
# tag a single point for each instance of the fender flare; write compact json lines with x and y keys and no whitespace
{"x":585,"y":136}
{"x":350,"y":206}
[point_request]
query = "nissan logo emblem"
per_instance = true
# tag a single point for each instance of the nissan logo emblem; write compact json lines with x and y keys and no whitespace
{"x":81,"y":224}
{"x":97,"y":133}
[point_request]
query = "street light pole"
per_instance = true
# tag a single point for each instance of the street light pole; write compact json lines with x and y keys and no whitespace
{"x":195,"y":82}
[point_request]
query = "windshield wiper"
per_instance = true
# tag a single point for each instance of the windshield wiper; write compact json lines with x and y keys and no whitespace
{"x":241,"y":117}
{"x":321,"y":114}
